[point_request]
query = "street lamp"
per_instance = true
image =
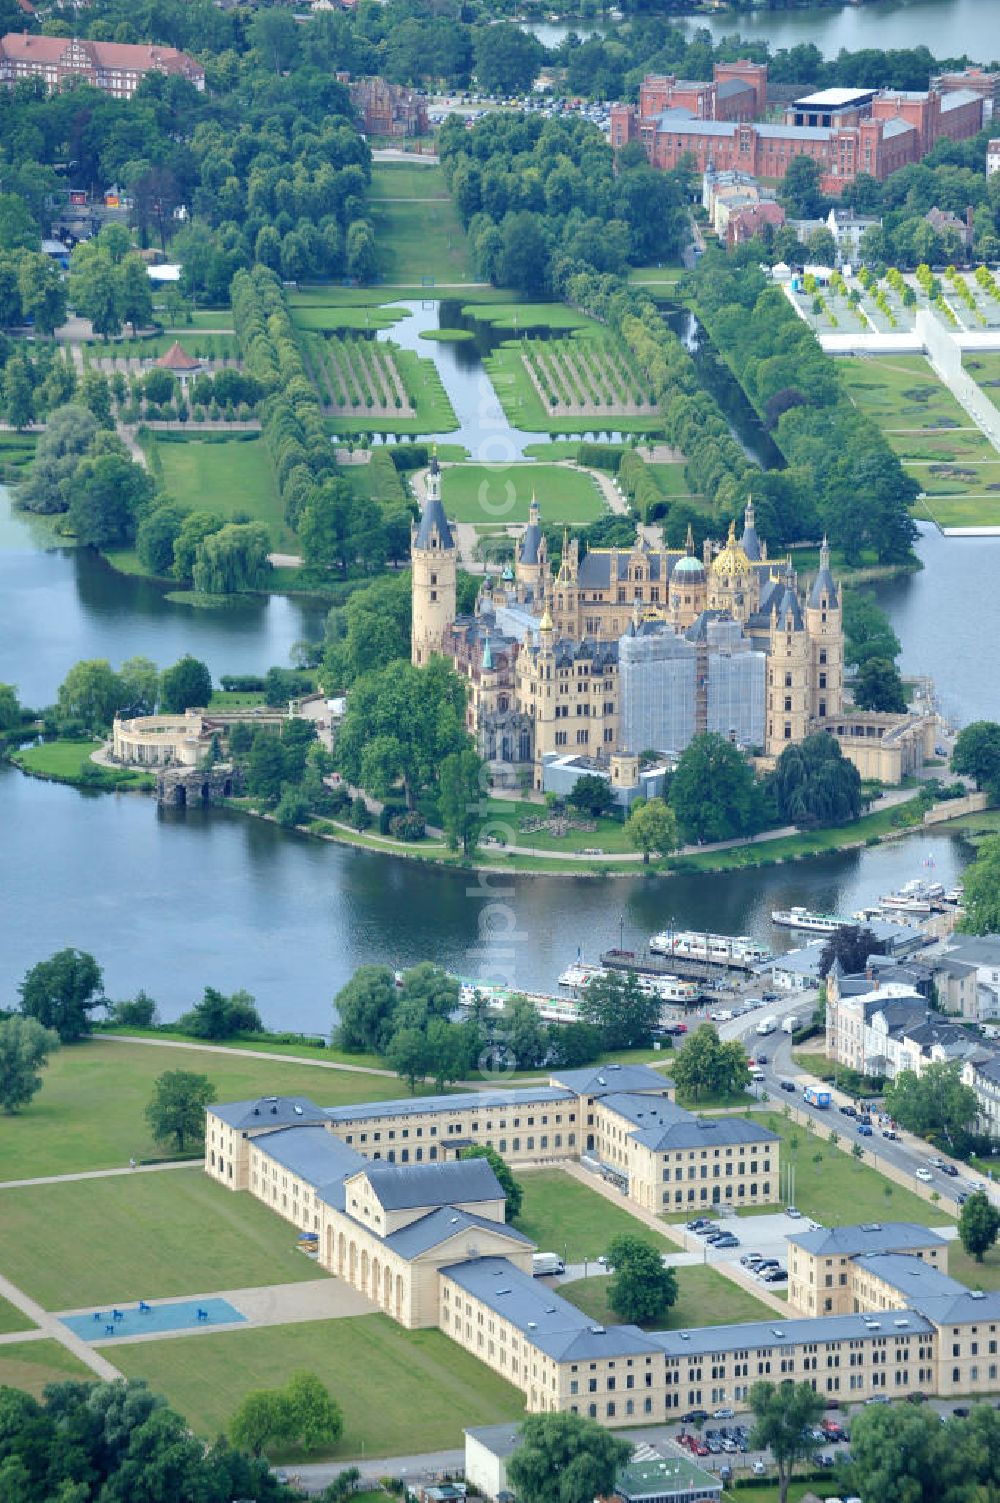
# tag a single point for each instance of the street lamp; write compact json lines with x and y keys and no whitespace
{"x":621,"y":932}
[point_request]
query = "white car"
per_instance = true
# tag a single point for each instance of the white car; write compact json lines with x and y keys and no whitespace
{"x":925,"y":1175}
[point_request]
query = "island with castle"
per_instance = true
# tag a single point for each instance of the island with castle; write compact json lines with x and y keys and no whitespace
{"x":616,"y":659}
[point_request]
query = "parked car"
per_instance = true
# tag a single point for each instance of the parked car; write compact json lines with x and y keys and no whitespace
{"x":916,"y":1397}
{"x":880,"y":1398}
{"x":758,"y":1468}
{"x":848,"y":1111}
{"x":775,"y":1276}
{"x":767,"y":1263}
{"x":724,"y":1414}
{"x":694,"y":1417}
{"x":751,"y":1259}
{"x":699,"y":1224}
{"x":925,"y":1175}
{"x":788,"y":1085}
{"x":960,"y":1411}
{"x":794,"y":1212}
{"x":726,"y":1240}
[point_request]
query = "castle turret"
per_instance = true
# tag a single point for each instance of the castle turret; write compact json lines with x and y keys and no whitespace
{"x":532,"y":558}
{"x":788,"y":671}
{"x":824,"y":625}
{"x":433,"y":557}
{"x":750,"y":542}
{"x":688,"y":587}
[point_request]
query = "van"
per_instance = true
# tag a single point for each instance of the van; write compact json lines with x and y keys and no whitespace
{"x":767,"y":1025}
{"x":790,"y":1024}
{"x":545,"y":1264}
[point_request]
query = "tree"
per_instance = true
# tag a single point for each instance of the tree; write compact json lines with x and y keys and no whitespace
{"x":652,"y":827}
{"x":69,"y":431}
{"x":464,"y":785}
{"x":177,"y":1108}
{"x":868,"y":632}
{"x":705,"y":1066}
{"x":409,"y":1056}
{"x":136,"y":293}
{"x":934,"y":1105}
{"x":401,"y":724}
{"x":878,"y":686}
{"x":525,"y":1038}
{"x":43,"y":292}
{"x":186,"y":685}
{"x":976,"y":754}
{"x":507,"y":59}
{"x":513,"y":1193}
{"x":315,"y":1419}
{"x":978,"y":1225}
{"x":712,"y":791}
{"x":565,"y":1458}
{"x":18,"y":398}
{"x":591,"y":794}
{"x":784,"y":1414}
{"x":815,"y":785}
{"x":25,"y":1047}
{"x":217,"y":1016}
{"x":261,"y":1421}
{"x":10,"y":708}
{"x":109,"y":493}
{"x":62,"y":991}
{"x":361,"y":257}
{"x":981,"y":889}
{"x":626,"y":1015}
{"x":642,"y":1289}
{"x":91,"y":693}
{"x":905,"y":1452}
{"x":232,"y":560}
{"x":366,"y":1007}
{"x":799,"y":192}
{"x":139,"y":680}
{"x":850,"y":945}
{"x":266,"y":770}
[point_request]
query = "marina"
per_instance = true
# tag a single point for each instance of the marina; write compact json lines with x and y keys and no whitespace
{"x":738,"y":952}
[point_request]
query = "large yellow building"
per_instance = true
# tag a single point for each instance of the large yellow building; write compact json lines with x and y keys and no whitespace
{"x":627,"y":650}
{"x":421,"y":1233}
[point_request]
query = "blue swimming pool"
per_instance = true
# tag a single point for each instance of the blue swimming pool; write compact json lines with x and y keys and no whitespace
{"x":101,"y":1325}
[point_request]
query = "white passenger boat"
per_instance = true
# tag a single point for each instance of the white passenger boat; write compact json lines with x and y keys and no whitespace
{"x":803,"y":918}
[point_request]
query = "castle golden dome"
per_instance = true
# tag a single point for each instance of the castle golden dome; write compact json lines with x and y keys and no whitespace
{"x":732,"y":560}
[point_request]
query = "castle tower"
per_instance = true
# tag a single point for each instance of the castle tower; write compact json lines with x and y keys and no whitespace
{"x":788,"y":672}
{"x":542,"y":704}
{"x":433,"y":557}
{"x":732,"y":581}
{"x":532,"y":563}
{"x":824,"y":625}
{"x":750,"y":542}
{"x":565,"y":598}
{"x":688,"y":587}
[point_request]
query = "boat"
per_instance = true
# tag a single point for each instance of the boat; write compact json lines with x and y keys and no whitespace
{"x":712,"y":949}
{"x":578,"y":976}
{"x":550,"y":1009}
{"x":803,"y":918}
{"x":916,"y":896}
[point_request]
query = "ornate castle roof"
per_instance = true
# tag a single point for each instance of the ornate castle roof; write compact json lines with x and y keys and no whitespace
{"x":731,"y":562}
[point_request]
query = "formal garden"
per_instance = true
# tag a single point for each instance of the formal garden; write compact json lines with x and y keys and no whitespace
{"x":502,"y":493}
{"x":356,"y":376}
{"x":589,"y":378}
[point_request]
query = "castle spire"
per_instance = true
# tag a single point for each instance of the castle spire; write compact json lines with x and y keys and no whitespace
{"x":689,"y":542}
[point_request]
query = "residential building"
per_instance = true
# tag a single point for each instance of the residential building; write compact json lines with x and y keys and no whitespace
{"x":847,"y":228}
{"x":992,"y":157}
{"x":846,"y":131}
{"x":950,"y":227}
{"x":983,"y":1075}
{"x":752,"y":221}
{"x":118,"y":68}
{"x":982,"y":952}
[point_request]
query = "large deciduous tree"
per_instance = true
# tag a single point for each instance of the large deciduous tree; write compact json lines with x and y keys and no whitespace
{"x":712,"y":792}
{"x":25,"y":1046}
{"x":784,"y":1414}
{"x":878,"y":686}
{"x":401,"y":723}
{"x":626,"y":1015}
{"x":69,"y":432}
{"x":976,"y":754}
{"x":850,"y":946}
{"x":642,"y":1288}
{"x":981,"y":889}
{"x":934,"y":1105}
{"x":186,"y":685}
{"x":176,"y":1110}
{"x":705,"y":1066}
{"x":91,"y":693}
{"x":62,"y":992}
{"x":464,"y":787}
{"x":652,"y":828}
{"x":815,"y":785}
{"x":366,"y":1007}
{"x":565,"y":1458}
{"x":978,"y":1225}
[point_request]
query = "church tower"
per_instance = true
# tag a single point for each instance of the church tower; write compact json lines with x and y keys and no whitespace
{"x":824,"y":625}
{"x":433,"y":557}
{"x":788,"y":672}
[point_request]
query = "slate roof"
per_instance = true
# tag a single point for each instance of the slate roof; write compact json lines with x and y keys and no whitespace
{"x":645,"y":1111}
{"x":601,"y":655}
{"x":401,"y":1187}
{"x":957,"y":99}
{"x":500,"y":1440}
{"x":312,"y":1153}
{"x":530,"y":539}
{"x":957,"y":1309}
{"x":607,"y":1080}
{"x":896,"y":127}
{"x":268,"y":1111}
{"x":794,"y":132}
{"x":823,"y":584}
{"x":433,"y":519}
{"x":731,"y":86}
{"x":703,"y":1132}
{"x":982,"y":949}
{"x":417,"y":1106}
{"x":776,"y":1332}
{"x":595,"y":567}
{"x":789,"y":610}
{"x":447,"y":1221}
{"x":911,"y":1276}
{"x":681,"y":122}
{"x":870,"y":1237}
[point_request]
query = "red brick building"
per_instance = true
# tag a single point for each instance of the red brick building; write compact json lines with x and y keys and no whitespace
{"x":116,"y":67}
{"x":747,"y":223}
{"x":387,"y":109}
{"x":845,"y":131}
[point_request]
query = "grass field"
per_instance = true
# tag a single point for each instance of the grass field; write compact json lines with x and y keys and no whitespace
{"x":565,"y":1217}
{"x":61,"y":762}
{"x":418,"y":233}
{"x":609,"y":835}
{"x":13,"y":1319}
{"x":825,"y":1190}
{"x":89,"y":1112}
{"x":705,"y":1298}
{"x":226,"y":478}
{"x":672,"y":481}
{"x":401,"y":1391}
{"x":502,"y":493}
{"x":963,"y":1266}
{"x":813,"y":843}
{"x":962,"y":511}
{"x":525,"y":318}
{"x":32,"y":1364}
{"x":984,"y":368}
{"x":142,"y":1236}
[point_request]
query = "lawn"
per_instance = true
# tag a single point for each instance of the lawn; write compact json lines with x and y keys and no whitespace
{"x":963,"y":1266}
{"x":984,"y":368}
{"x":791,"y":847}
{"x":838,"y":1188}
{"x":401,"y":1391}
{"x":502,"y":493}
{"x":234,"y":476}
{"x":89,"y":1112}
{"x":33,"y":1364}
{"x":61,"y":761}
{"x":142,"y":1236}
{"x":705,"y":1298}
{"x":418,"y":234}
{"x":507,"y":813}
{"x":13,"y":1319}
{"x":672,"y":481}
{"x":524,"y":318}
{"x":963,"y":511}
{"x":565,"y":1217}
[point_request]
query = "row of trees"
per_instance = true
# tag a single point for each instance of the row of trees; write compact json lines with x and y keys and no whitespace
{"x":93,"y":693}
